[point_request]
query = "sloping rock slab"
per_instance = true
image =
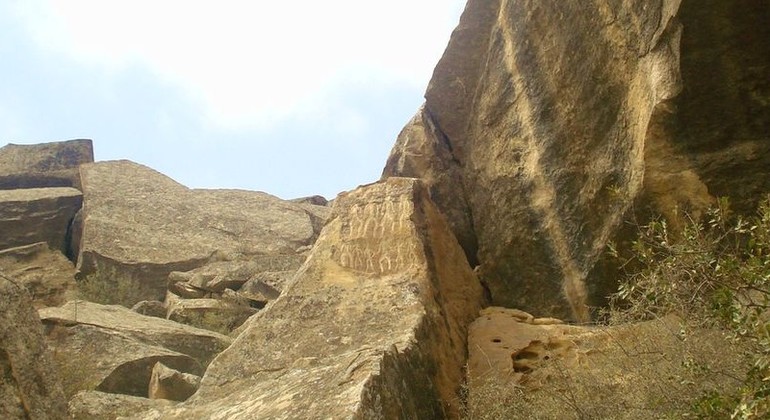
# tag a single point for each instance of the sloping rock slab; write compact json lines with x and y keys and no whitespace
{"x":144,"y":225}
{"x":95,"y":405}
{"x":373,"y":326}
{"x":519,"y":369}
{"x":47,"y":275}
{"x":94,"y":358}
{"x":37,"y":215}
{"x":44,"y":165}
{"x":202,"y":345}
{"x":29,"y":384}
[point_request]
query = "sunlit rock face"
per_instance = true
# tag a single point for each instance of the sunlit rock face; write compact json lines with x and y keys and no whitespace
{"x":373,"y":325}
{"x":547,"y":123}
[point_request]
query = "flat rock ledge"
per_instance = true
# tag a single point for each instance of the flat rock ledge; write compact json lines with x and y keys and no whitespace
{"x":374,"y":325}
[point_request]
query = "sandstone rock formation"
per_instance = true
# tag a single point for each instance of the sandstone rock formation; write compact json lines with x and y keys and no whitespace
{"x":373,"y":326}
{"x":29,"y":385}
{"x":518,"y":369}
{"x":96,"y":358}
{"x":142,"y":225}
{"x":44,"y":165}
{"x":545,"y":121}
{"x":48,"y":275}
{"x":214,"y":314}
{"x":199,"y":344}
{"x":95,"y":405}
{"x":28,"y":216}
{"x":171,"y":384}
{"x":154,"y":308}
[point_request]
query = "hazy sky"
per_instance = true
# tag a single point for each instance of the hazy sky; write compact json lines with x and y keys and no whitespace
{"x":289,"y":97}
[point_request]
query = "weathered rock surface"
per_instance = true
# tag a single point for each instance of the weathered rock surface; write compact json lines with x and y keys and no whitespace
{"x":28,"y":216}
{"x":89,"y":357}
{"x":212,"y":314}
{"x":29,"y":384}
{"x":546,"y":120}
{"x":47,"y":275}
{"x":218,"y":276}
{"x":154,"y":308}
{"x":95,"y":405}
{"x":171,"y":384}
{"x":44,"y":165}
{"x":518,"y":369}
{"x":373,"y":326}
{"x":266,"y":286}
{"x":201,"y":345}
{"x":143,"y":225}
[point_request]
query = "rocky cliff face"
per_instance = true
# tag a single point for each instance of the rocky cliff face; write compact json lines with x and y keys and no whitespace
{"x":546,"y":121}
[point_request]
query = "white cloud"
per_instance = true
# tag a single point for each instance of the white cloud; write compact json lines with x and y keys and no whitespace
{"x":252,"y":62}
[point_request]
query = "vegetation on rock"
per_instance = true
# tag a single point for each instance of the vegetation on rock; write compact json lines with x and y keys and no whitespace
{"x":109,"y":286}
{"x":714,"y":275}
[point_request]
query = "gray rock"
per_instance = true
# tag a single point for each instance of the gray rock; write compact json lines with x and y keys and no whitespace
{"x":171,"y":384}
{"x":48,"y":276}
{"x":28,"y":216}
{"x":44,"y":165}
{"x":29,"y":383}
{"x":373,"y":326}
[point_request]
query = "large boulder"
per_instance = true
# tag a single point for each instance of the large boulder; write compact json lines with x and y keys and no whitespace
{"x":29,"y":384}
{"x":28,"y":216}
{"x":89,"y":357}
{"x":44,"y":165}
{"x":546,"y":121}
{"x":201,"y":345}
{"x":373,"y":325}
{"x":139,"y":224}
{"x":47,"y":274}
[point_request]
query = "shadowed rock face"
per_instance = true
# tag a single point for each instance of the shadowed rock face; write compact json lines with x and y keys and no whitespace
{"x":546,"y":120}
{"x":29,"y":385}
{"x":372,"y":326}
{"x":47,"y":275}
{"x":28,"y":216}
{"x":44,"y":165}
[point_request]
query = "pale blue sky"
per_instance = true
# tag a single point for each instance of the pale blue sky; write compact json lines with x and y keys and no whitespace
{"x":293,"y":98}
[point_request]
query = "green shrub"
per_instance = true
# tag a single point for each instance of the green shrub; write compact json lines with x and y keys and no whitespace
{"x":713,"y":274}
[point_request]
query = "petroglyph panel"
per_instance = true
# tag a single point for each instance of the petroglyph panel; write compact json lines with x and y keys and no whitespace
{"x":377,"y":237}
